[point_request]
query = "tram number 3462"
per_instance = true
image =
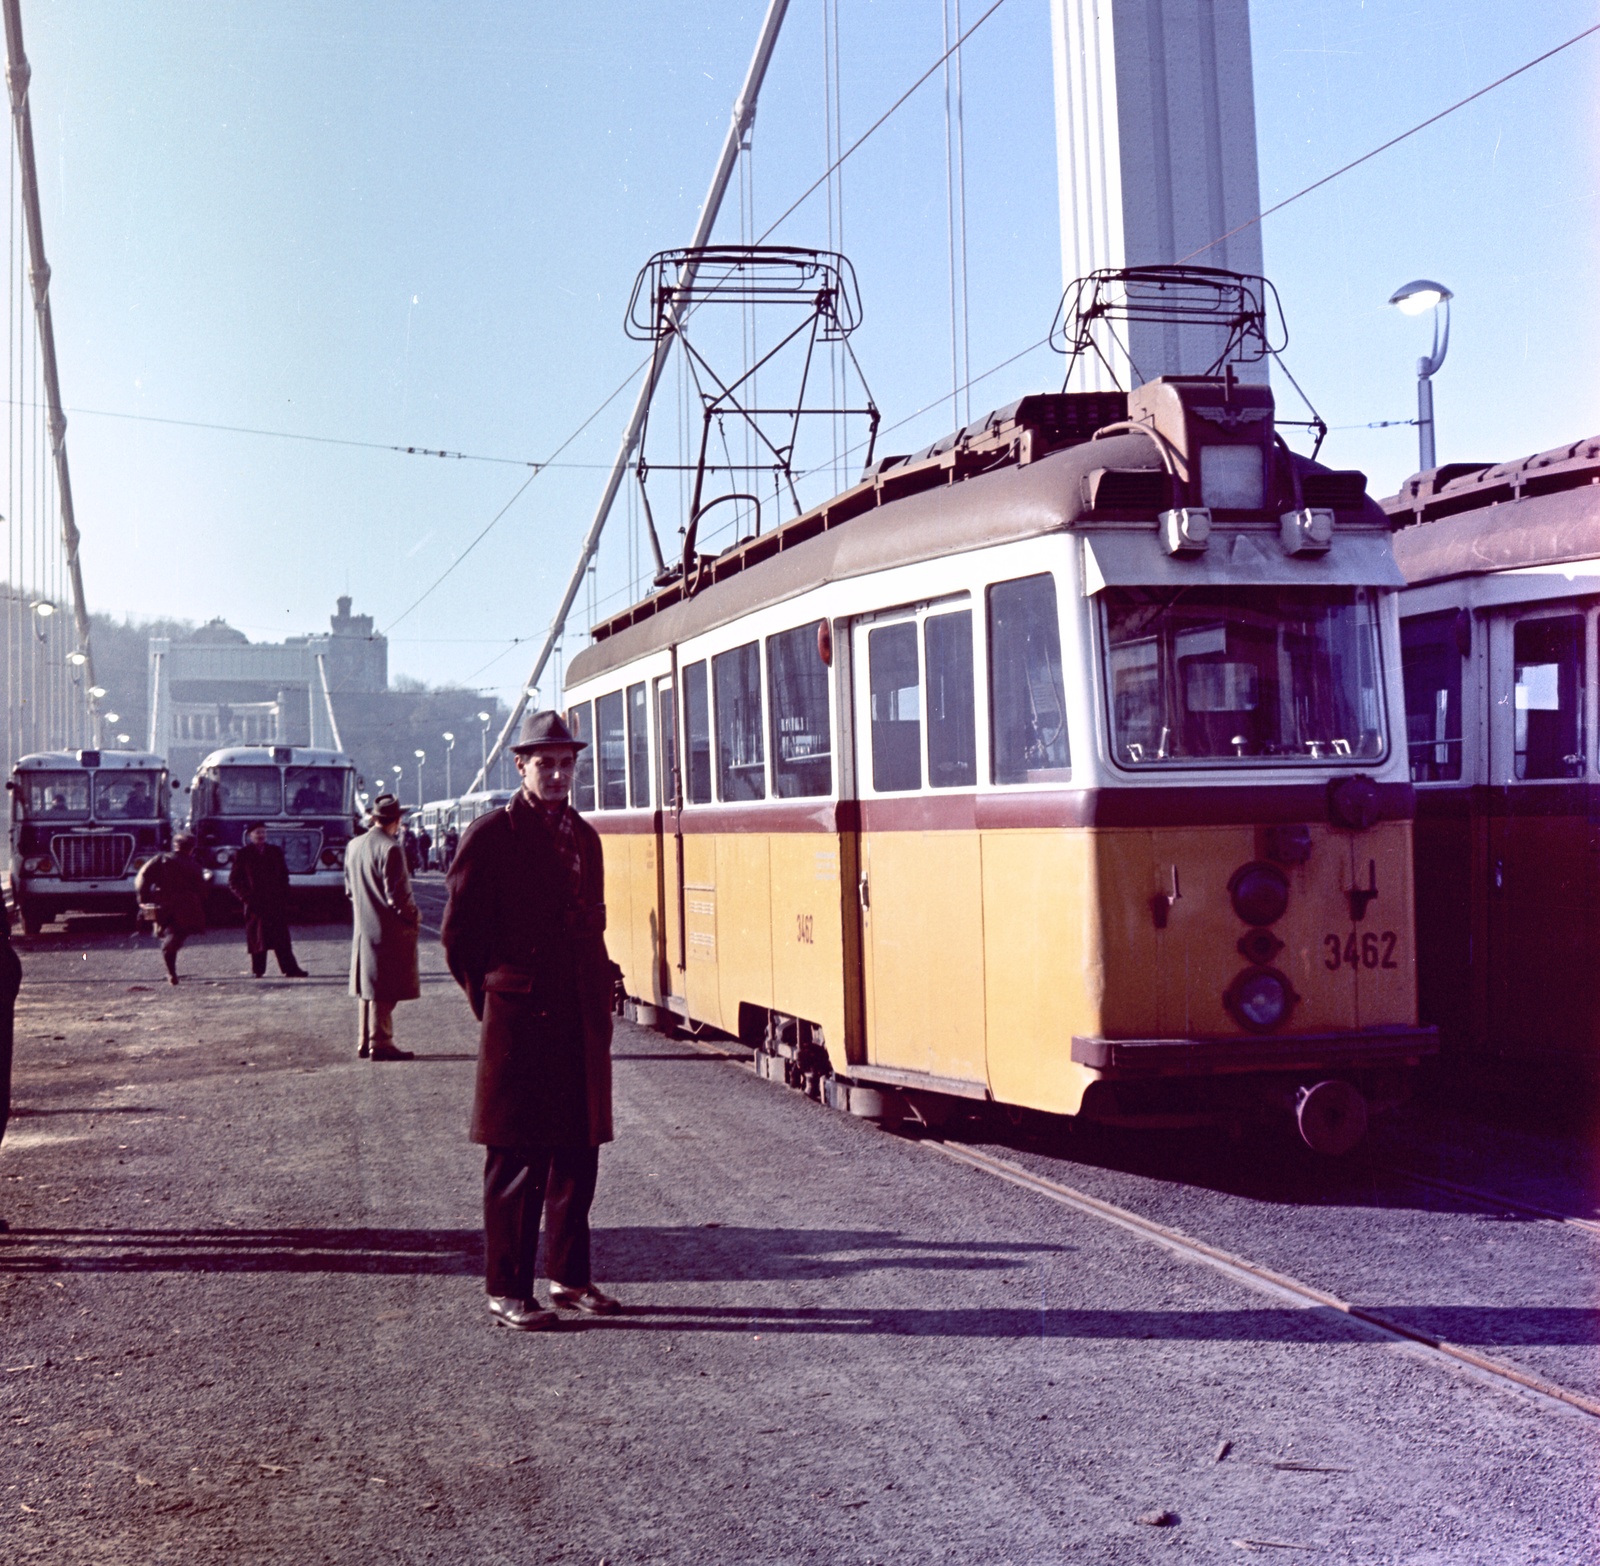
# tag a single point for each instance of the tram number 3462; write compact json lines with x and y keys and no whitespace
{"x":803,"y":929}
{"x":1373,"y":949}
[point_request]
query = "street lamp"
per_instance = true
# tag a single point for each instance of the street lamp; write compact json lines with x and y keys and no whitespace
{"x":484,"y":720}
{"x":398,"y":771}
{"x":450,"y":745}
{"x":421,"y":756}
{"x":113,"y":717}
{"x":122,"y":739}
{"x":98,"y":692}
{"x":77,"y":659}
{"x":1413,"y":299}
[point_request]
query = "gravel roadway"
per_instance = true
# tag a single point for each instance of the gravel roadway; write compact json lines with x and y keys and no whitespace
{"x":241,"y":1319}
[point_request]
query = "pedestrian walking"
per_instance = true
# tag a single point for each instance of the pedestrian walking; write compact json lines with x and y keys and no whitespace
{"x":10,"y":983}
{"x":452,"y":841}
{"x":424,"y":846}
{"x":524,"y":936}
{"x":173,"y":887}
{"x":383,"y":940}
{"x":260,"y":880}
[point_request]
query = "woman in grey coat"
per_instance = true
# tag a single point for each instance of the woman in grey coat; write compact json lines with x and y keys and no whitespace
{"x":383,"y":942}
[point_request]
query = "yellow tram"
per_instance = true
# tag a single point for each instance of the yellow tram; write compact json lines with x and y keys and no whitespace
{"x":1052,"y":766}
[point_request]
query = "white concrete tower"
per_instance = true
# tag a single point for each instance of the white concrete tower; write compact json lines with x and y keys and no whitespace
{"x":1156,"y":156}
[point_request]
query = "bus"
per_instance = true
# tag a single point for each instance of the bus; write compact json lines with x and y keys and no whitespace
{"x":82,"y":824}
{"x":304,"y":796}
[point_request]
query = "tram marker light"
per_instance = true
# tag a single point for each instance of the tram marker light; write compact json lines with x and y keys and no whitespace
{"x":1260,"y":999}
{"x":1185,"y":530}
{"x":1306,"y":532}
{"x":1260,"y":893}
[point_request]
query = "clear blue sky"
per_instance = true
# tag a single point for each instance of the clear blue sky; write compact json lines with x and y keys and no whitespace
{"x":419,"y":224}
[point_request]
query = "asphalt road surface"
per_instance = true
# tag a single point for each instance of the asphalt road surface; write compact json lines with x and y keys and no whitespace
{"x":242,"y":1318}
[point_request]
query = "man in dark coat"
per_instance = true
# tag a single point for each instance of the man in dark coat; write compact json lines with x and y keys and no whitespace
{"x":260,"y":880}
{"x":524,"y":936}
{"x":383,"y":935}
{"x":176,"y":887}
{"x":10,"y":983}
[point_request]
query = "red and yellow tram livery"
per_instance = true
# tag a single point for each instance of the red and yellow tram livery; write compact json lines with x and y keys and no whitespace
{"x":1051,"y":766}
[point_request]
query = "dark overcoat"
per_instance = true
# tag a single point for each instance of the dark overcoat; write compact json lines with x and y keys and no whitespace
{"x":383,"y":937}
{"x":176,"y":886}
{"x":260,"y":880}
{"x":530,"y":952}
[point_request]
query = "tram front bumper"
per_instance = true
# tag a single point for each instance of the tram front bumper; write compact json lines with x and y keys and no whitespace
{"x":1346,"y":1051}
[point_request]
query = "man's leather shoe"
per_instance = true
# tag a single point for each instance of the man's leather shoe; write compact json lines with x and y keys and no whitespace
{"x":588,"y":1298}
{"x":394,"y":1054}
{"x":522,"y":1315}
{"x":362,"y":1052}
{"x":297,"y":973}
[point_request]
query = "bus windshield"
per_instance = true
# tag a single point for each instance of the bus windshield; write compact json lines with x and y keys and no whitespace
{"x":248,"y":791}
{"x":54,"y":796}
{"x":315,"y":791}
{"x":126,"y":796}
{"x":1215,"y":675}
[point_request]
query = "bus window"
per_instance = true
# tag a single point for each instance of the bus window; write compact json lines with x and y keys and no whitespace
{"x":1548,"y":655}
{"x":1027,"y":704}
{"x":697,"y":720}
{"x":896,"y":707}
{"x":248,"y":791}
{"x":797,"y":699}
{"x":580,"y":721}
{"x":315,"y":791}
{"x":666,"y":742}
{"x":54,"y":796}
{"x":1431,"y":657}
{"x":613,"y":752}
{"x":952,"y":739}
{"x":741,"y":757}
{"x":126,"y":796}
{"x":638,"y":747}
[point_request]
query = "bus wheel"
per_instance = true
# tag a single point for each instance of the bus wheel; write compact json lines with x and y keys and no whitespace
{"x":32,"y":916}
{"x":1332,"y":1117}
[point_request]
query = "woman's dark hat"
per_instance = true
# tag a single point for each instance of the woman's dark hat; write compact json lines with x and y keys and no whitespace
{"x":545,"y":731}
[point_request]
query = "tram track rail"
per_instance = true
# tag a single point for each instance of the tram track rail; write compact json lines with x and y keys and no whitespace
{"x":1498,"y":1202}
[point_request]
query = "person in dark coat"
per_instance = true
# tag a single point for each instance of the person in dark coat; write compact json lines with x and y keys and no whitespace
{"x":424,"y":846}
{"x":10,"y":983}
{"x":383,"y":936}
{"x":452,"y":841}
{"x":260,"y":880}
{"x":175,"y":886}
{"x":524,"y":936}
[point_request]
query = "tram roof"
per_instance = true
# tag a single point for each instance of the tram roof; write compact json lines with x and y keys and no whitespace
{"x":274,"y":756}
{"x":968,"y":491}
{"x":106,"y":760}
{"x":1470,"y":518}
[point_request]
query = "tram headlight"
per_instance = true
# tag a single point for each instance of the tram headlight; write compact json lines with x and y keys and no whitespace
{"x":1260,"y":893}
{"x":39,"y":864}
{"x":1260,"y":999}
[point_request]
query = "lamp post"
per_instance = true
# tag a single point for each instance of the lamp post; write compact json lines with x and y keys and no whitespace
{"x":421,"y":756}
{"x":449,"y":745}
{"x":399,"y":772}
{"x":1413,"y":299}
{"x":484,"y":720}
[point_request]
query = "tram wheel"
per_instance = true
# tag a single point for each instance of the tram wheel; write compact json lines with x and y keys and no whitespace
{"x":1332,"y":1117}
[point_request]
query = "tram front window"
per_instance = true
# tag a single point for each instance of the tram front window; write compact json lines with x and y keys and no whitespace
{"x":1216,"y":675}
{"x":248,"y":791}
{"x":55,"y":796}
{"x":315,"y":791}
{"x":126,"y":796}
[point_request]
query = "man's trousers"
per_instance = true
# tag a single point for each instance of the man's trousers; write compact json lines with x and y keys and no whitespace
{"x":519,"y":1182}
{"x":374,"y":1026}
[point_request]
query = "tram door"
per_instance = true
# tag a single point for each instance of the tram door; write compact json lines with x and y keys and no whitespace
{"x":1543,"y":852}
{"x":669,"y":849}
{"x":921,"y":891}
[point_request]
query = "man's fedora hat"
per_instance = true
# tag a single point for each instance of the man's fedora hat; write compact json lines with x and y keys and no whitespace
{"x":545,"y":731}
{"x":386,"y":809}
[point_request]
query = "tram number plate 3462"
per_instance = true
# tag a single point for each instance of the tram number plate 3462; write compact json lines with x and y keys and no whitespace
{"x":1369,"y":949}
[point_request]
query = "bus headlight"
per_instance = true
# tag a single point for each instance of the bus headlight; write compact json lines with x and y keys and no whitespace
{"x":224,"y":856}
{"x":1260,"y":893}
{"x":1260,"y":999}
{"x":333,"y":857}
{"x":39,"y":864}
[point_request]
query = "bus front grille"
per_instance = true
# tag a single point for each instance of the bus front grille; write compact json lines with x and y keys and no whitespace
{"x":93,"y":858}
{"x":300,"y":848}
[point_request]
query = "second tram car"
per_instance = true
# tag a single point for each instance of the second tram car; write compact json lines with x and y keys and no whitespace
{"x":1499,"y":631}
{"x":82,"y":824}
{"x":305,"y":797}
{"x":1052,"y":766}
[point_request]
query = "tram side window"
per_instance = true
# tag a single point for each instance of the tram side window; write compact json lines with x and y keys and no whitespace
{"x":580,"y":720}
{"x":638,"y":747}
{"x":797,"y":700}
{"x":613,"y":752}
{"x":1430,"y":654}
{"x":1027,"y":698}
{"x":741,"y":755}
{"x":697,"y":720}
{"x":952,"y":739}
{"x":896,"y":690}
{"x":1548,"y":701}
{"x":666,"y":743}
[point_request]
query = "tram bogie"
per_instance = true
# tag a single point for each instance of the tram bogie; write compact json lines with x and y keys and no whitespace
{"x":83,"y":823}
{"x":1049,"y":768}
